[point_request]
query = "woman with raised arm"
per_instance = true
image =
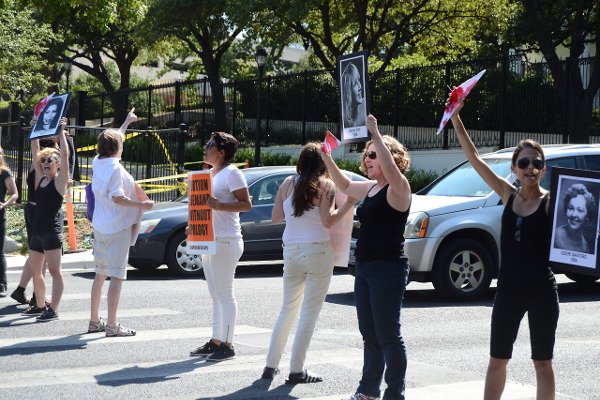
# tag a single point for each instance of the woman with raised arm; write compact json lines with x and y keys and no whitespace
{"x":525,"y":283}
{"x":307,"y":203}
{"x":46,"y":242}
{"x":119,"y":202}
{"x":381,"y":264}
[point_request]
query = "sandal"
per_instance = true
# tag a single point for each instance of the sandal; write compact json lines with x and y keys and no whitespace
{"x":95,"y":327}
{"x":303,"y":377}
{"x":114,"y":331}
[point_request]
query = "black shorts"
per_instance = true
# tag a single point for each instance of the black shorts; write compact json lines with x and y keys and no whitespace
{"x":542,"y":314}
{"x":46,"y":241}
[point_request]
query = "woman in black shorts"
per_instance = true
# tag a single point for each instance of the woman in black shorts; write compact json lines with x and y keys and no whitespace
{"x":525,"y":282}
{"x":29,"y":210}
{"x":46,"y":239}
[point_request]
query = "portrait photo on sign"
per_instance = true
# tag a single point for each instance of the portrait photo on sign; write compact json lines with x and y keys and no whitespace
{"x":55,"y":108}
{"x":574,"y":204}
{"x":352,"y":70}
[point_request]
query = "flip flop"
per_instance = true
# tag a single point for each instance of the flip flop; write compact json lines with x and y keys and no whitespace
{"x":303,"y":377}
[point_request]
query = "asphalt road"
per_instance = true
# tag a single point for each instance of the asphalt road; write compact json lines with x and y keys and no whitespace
{"x":447,"y":343}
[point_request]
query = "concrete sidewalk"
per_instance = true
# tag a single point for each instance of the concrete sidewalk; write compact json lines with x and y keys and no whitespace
{"x":78,"y":259}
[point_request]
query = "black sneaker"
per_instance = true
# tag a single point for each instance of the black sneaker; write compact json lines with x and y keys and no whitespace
{"x":48,"y":315}
{"x":3,"y":290}
{"x":34,"y":310}
{"x":223,"y":353}
{"x":33,"y":301}
{"x":19,"y":297}
{"x":206,"y":350}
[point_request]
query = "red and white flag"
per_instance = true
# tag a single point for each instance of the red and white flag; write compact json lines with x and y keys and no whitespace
{"x":39,"y":107}
{"x":330,"y":143}
{"x":455,"y":96}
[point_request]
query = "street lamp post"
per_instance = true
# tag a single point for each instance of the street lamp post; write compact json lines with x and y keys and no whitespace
{"x":261,"y":58}
{"x":67,"y":64}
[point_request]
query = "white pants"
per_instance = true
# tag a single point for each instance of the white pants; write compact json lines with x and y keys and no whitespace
{"x":219,"y":271}
{"x":307,"y":272}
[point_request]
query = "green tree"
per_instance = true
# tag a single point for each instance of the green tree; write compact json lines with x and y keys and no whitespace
{"x":441,"y":30}
{"x":22,"y":45}
{"x":573,"y":24}
{"x":208,"y":28}
{"x":95,"y":33}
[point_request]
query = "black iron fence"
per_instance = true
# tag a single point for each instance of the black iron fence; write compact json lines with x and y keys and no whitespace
{"x":514,"y":99}
{"x":155,"y":158}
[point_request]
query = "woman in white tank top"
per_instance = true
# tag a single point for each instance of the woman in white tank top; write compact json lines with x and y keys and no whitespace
{"x":307,"y":203}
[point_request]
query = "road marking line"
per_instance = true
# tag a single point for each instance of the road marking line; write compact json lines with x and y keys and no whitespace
{"x":141,"y":336}
{"x":17,"y":319}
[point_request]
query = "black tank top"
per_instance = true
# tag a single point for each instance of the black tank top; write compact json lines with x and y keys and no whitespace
{"x":381,"y":233}
{"x":48,"y":213}
{"x":524,"y":266}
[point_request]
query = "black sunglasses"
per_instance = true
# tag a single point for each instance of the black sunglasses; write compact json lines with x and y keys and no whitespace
{"x":524,"y":163}
{"x":371,"y":154}
{"x":210,"y":145}
{"x":48,"y":160}
{"x":518,"y":229}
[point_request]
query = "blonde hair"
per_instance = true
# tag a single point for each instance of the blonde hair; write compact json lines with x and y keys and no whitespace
{"x":399,"y":154}
{"x":109,"y":142}
{"x":49,"y":152}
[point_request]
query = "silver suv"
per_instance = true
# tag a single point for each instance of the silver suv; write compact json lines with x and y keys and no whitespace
{"x":453,"y":231}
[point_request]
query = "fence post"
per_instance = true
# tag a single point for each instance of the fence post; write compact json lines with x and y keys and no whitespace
{"x":202,"y":139}
{"x":234,"y":117}
{"x":102,"y":109}
{"x":149,"y":152}
{"x":396,"y":103}
{"x":181,"y":153}
{"x":15,"y":110}
{"x":566,"y":136}
{"x":445,"y":144}
{"x":503,"y":83}
{"x":304,"y":97}
{"x":149,"y":120}
{"x":177,"y":113}
{"x":267,"y":111}
{"x":80,"y":118}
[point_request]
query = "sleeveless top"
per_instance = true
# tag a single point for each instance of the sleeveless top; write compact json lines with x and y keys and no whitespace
{"x":524,"y":267}
{"x":30,"y":180}
{"x":48,"y":212}
{"x":307,"y":228}
{"x":4,"y":174}
{"x":381,"y":233}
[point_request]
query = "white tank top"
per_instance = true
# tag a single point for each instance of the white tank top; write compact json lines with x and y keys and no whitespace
{"x":304,"y":229}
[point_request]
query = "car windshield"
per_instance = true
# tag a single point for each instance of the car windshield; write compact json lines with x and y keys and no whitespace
{"x":465,"y":181}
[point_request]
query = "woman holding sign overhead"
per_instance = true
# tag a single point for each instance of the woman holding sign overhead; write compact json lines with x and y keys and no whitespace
{"x":230,"y":196}
{"x":119,"y":202}
{"x":525,"y":282}
{"x":381,"y":264}
{"x":307,"y":203}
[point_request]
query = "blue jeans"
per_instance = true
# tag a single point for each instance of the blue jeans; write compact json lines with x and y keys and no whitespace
{"x":378,"y":292}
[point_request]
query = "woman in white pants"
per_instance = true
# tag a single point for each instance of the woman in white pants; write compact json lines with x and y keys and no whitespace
{"x":307,"y":203}
{"x":230,"y":197}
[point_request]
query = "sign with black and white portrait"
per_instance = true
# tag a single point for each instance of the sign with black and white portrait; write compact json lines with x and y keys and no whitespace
{"x":352,"y":78}
{"x":54,"y":108}
{"x":574,"y":205}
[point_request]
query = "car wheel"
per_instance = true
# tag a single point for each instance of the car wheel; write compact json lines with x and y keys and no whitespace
{"x":178,"y":260}
{"x":463,"y":270}
{"x":580,"y":278}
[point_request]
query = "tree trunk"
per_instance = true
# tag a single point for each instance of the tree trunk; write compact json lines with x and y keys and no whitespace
{"x":218,"y":98}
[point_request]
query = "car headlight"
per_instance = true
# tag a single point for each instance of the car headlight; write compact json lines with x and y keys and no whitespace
{"x":147,"y":225}
{"x":416,"y":225}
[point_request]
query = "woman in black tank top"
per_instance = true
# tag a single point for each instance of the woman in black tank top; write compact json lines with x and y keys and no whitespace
{"x":46,"y":241}
{"x":525,"y":283}
{"x":381,"y":265}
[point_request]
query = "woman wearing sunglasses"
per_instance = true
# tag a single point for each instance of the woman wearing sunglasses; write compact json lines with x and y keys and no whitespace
{"x":381,"y":264}
{"x":46,"y":244}
{"x":525,"y":282}
{"x":230,"y":196}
